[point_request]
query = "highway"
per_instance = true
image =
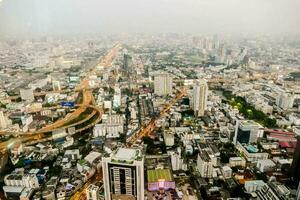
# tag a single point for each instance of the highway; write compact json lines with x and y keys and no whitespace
{"x":150,"y":127}
{"x":88,"y":102}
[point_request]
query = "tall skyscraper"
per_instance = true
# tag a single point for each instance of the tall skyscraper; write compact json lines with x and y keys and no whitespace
{"x":3,"y":121}
{"x":163,"y":84}
{"x":199,"y":98}
{"x":123,"y":174}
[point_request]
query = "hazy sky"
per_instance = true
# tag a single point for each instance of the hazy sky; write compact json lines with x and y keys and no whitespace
{"x":27,"y":17}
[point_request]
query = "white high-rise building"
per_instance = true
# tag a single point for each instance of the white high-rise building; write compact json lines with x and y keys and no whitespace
{"x":169,"y":137}
{"x":92,"y":192}
{"x":176,"y":160}
{"x":56,"y":85}
{"x":123,"y":174}
{"x":117,"y":97}
{"x":24,"y":180}
{"x":99,"y":130}
{"x":285,"y":101}
{"x":205,"y":165}
{"x":3,"y":121}
{"x":163,"y":84}
{"x":199,"y":98}
{"x":27,"y":94}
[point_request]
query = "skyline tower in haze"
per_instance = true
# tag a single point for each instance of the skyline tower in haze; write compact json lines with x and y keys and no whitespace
{"x":199,"y":98}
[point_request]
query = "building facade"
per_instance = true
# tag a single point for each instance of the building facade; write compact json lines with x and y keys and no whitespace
{"x":123,"y":174}
{"x":163,"y":84}
{"x":199,"y":98}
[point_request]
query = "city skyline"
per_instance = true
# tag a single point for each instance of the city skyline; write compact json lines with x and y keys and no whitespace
{"x":149,"y":100}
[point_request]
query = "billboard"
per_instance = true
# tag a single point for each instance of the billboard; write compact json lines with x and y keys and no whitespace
{"x":70,"y":104}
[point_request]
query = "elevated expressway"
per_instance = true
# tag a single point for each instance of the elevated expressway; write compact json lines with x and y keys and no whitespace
{"x":88,"y":102}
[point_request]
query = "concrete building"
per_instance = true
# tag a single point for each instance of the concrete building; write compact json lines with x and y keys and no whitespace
{"x":3,"y":120}
{"x":177,"y":161}
{"x":274,"y":191}
{"x":227,"y":172}
{"x":18,"y":192}
{"x":56,"y":85}
{"x":253,"y":186}
{"x":265,"y":165}
{"x":251,"y":153}
{"x":27,"y":94}
{"x":117,"y":98}
{"x":237,"y":161}
{"x":24,"y":180}
{"x":99,"y":130}
{"x":169,"y":137}
{"x":199,"y":98}
{"x":73,"y":154}
{"x":163,"y":84}
{"x":123,"y":174}
{"x":285,"y":101}
{"x":111,"y":127}
{"x":92,"y":192}
{"x":247,"y":131}
{"x":205,"y":165}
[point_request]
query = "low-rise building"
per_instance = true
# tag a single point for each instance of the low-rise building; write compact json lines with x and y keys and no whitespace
{"x":265,"y":165}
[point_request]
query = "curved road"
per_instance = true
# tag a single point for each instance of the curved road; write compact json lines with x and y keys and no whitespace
{"x":88,"y":101}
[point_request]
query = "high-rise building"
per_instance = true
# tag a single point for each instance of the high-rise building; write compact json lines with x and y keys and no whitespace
{"x":163,"y":84}
{"x":56,"y":85}
{"x":285,"y":101}
{"x":3,"y":121}
{"x":117,"y":97}
{"x":27,"y":94}
{"x":123,"y":174}
{"x":92,"y":192}
{"x":199,"y":98}
{"x":169,"y":137}
{"x":247,"y":131}
{"x":205,"y":165}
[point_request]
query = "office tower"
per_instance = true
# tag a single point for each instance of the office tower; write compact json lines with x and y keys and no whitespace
{"x":247,"y":131}
{"x":56,"y":85}
{"x":27,"y":94}
{"x":3,"y":122}
{"x":295,"y":167}
{"x":92,"y":192}
{"x":199,"y":98}
{"x":123,"y":174}
{"x":163,"y":84}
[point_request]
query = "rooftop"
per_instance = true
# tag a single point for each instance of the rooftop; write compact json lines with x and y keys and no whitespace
{"x":254,"y":182}
{"x":126,"y":154}
{"x":247,"y":123}
{"x":159,"y":174}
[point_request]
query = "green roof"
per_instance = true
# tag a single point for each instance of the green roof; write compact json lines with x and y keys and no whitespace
{"x":155,"y":175}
